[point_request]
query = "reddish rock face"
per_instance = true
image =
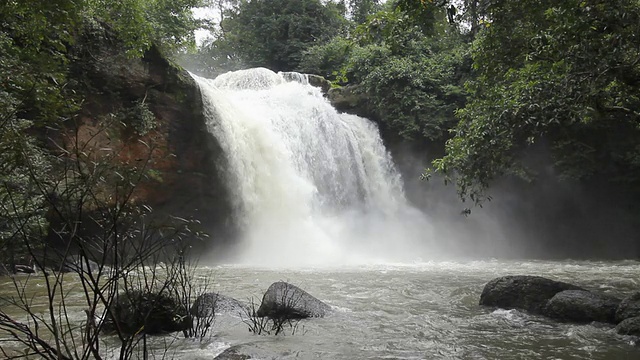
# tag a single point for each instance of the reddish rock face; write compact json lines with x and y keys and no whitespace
{"x":183,"y":157}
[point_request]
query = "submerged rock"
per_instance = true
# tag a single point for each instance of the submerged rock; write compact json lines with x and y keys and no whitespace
{"x":232,"y":353}
{"x":581,"y":306}
{"x":289,"y":301}
{"x":629,"y":307}
{"x":210,"y":303}
{"x":524,"y":292}
{"x":630,"y":326}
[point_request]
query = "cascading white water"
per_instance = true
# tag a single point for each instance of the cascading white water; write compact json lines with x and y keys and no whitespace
{"x":311,"y":186}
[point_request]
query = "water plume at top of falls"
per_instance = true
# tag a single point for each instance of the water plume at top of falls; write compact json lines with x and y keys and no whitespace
{"x":310,"y":186}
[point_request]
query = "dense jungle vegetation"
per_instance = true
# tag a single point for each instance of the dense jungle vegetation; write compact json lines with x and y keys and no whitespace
{"x":485,"y":83}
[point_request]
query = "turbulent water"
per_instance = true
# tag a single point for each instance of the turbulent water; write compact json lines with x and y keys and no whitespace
{"x":425,"y":311}
{"x":421,"y":311}
{"x":311,"y":186}
{"x":417,"y":311}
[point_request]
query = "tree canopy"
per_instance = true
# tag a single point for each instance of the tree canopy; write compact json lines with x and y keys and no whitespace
{"x":565,"y":74}
{"x":270,"y":33}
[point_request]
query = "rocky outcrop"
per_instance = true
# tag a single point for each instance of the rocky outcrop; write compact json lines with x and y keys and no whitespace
{"x":629,"y":307}
{"x":630,"y":326}
{"x":319,"y":81}
{"x":180,"y":154}
{"x":529,"y":293}
{"x":581,"y":306}
{"x":350,"y":100}
{"x":283,"y":300}
{"x":207,"y":305}
{"x":151,"y":313}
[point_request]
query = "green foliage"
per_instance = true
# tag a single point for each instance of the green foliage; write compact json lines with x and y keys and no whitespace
{"x":413,"y":80}
{"x":415,"y":93}
{"x":31,"y":87}
{"x":139,"y":117}
{"x":327,"y":59}
{"x":22,"y":210}
{"x":272,"y":33}
{"x":37,"y":94}
{"x":423,"y":13}
{"x":139,"y":23}
{"x":361,"y":9}
{"x":563,"y":73}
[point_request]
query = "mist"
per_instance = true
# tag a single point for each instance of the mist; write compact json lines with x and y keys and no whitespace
{"x":545,"y":217}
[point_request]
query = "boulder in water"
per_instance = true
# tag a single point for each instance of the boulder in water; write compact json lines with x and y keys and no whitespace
{"x":630,"y":326}
{"x":523,"y":292}
{"x":629,"y":307}
{"x":232,"y":353}
{"x":581,"y":306}
{"x":151,"y":313}
{"x":208,"y":304}
{"x":24,"y":269}
{"x":283,"y":300}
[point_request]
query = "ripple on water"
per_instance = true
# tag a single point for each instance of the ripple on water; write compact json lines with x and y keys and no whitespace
{"x":419,"y":311}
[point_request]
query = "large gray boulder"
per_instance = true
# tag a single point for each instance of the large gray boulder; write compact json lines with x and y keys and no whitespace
{"x":630,"y":326}
{"x":581,"y":306}
{"x":524,"y":292}
{"x":283,"y":300}
{"x":629,"y":307}
{"x":208,"y":304}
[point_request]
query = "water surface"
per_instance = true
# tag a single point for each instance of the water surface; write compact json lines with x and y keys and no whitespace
{"x":424,"y":311}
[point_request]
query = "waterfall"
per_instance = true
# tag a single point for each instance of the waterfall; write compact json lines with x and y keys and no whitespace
{"x":310,"y":186}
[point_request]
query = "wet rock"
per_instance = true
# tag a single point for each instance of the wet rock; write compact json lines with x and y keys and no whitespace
{"x":283,"y":300}
{"x":523,"y":292}
{"x":24,"y":269}
{"x":186,"y":181}
{"x":208,"y":304}
{"x":17,"y":269}
{"x":232,"y":353}
{"x":629,"y":307}
{"x":581,"y":306}
{"x":319,"y":81}
{"x":348,"y":99}
{"x":152,"y":313}
{"x":630,"y":326}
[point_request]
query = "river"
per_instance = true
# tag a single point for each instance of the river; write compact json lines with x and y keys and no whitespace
{"x":407,"y":311}
{"x":420,"y":311}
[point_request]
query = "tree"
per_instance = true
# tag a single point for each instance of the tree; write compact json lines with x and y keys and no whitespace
{"x":361,"y":9}
{"x":411,"y":73}
{"x":561,"y":73}
{"x":140,"y":23}
{"x":273,"y":33}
